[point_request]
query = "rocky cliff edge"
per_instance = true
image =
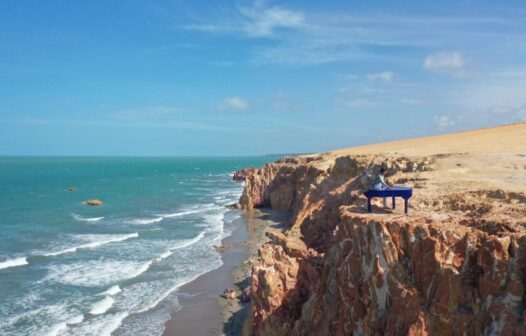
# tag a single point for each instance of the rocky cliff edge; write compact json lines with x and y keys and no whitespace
{"x":456,"y":265}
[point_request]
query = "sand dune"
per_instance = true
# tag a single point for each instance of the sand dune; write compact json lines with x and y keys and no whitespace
{"x":482,"y":159}
{"x":504,"y":139}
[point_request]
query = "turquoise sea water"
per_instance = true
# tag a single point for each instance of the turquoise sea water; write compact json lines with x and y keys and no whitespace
{"x":70,"y":269}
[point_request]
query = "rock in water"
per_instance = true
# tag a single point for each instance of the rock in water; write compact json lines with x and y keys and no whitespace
{"x":229,"y":293}
{"x":94,"y":202}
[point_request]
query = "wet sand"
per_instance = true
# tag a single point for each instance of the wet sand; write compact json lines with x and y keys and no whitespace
{"x":204,"y":311}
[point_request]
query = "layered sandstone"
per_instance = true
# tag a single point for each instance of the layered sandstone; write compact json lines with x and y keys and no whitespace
{"x":242,"y":174}
{"x":455,"y":266}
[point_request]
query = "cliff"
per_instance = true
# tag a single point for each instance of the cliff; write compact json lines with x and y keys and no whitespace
{"x":456,"y":265}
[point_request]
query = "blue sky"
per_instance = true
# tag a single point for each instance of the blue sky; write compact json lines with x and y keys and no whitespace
{"x":253,"y":77}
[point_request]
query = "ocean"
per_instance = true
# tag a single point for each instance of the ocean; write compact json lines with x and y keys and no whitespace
{"x":67,"y":268}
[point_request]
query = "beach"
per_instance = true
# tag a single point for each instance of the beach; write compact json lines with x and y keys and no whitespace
{"x":204,"y":311}
{"x":114,"y":268}
{"x":467,"y":191}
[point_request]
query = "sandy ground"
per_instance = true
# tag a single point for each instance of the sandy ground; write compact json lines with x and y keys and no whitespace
{"x":502,"y":139}
{"x":204,"y":311}
{"x":467,"y":168}
{"x":258,"y":222}
{"x":482,"y":160}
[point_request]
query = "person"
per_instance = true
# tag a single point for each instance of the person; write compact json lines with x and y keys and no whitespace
{"x":380,"y":184}
{"x":379,"y":181}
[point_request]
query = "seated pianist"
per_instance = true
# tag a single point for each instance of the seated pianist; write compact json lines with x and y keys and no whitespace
{"x":382,"y":189}
{"x":380,"y":184}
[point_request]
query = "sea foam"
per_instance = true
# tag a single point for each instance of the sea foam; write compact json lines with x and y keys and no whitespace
{"x":201,"y":208}
{"x":61,"y":327}
{"x":13,"y":262}
{"x":189,"y":242}
{"x":96,"y":272}
{"x":103,"y":325}
{"x":86,"y":219}
{"x":113,"y":290}
{"x":95,"y":241}
{"x":179,"y":214}
{"x":102,"y":306}
{"x":180,"y":245}
{"x":139,"y":221}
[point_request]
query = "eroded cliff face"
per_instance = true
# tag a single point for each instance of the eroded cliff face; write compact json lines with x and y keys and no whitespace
{"x":410,"y":276}
{"x":455,"y":266}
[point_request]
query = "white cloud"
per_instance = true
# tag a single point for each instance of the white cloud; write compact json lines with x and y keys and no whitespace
{"x":305,"y":52}
{"x":305,"y":38}
{"x":444,"y":121}
{"x":452,"y":62}
{"x":262,"y":21}
{"x":233,"y":104}
{"x":208,"y":28}
{"x":381,"y":77}
{"x":257,"y":20}
{"x":370,"y":91}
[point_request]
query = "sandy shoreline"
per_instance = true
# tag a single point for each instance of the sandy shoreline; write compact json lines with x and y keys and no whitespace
{"x":204,"y":311}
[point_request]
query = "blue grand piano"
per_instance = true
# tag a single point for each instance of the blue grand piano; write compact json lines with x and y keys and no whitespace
{"x":395,"y":191}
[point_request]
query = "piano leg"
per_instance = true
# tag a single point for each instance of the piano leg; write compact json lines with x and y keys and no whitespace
{"x":394,"y":202}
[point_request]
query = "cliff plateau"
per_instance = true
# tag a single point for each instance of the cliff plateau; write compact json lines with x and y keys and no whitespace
{"x":456,"y":265}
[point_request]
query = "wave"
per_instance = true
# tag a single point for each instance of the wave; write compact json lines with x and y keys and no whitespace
{"x":96,"y":273}
{"x":99,"y":240}
{"x":113,"y":290}
{"x":163,"y":296}
{"x":196,"y":272}
{"x":165,"y":255}
{"x":86,"y":219}
{"x":76,"y":319}
{"x":13,"y":262}
{"x":203,"y":189}
{"x":56,"y":329}
{"x":103,"y":325}
{"x":179,"y":214}
{"x":61,"y":327}
{"x":102,"y":306}
{"x":146,"y":221}
{"x":99,"y":273}
{"x":203,"y":208}
{"x":214,"y":222}
{"x":229,"y":193}
{"x":159,"y":295}
{"x":188,"y":242}
{"x":180,"y":245}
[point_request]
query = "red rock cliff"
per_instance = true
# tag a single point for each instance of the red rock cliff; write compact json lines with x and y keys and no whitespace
{"x":455,"y":266}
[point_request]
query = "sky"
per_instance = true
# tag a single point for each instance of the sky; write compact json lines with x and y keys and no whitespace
{"x":224,"y":78}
